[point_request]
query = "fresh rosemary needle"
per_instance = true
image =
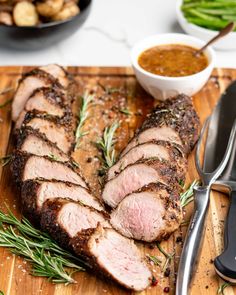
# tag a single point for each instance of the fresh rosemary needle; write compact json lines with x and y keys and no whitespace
{"x":187,"y":196}
{"x":222,"y":288}
{"x":168,"y":257}
{"x":106,"y":145}
{"x":46,"y":257}
{"x":5,"y":160}
{"x":154,"y":259}
{"x":83,"y":115}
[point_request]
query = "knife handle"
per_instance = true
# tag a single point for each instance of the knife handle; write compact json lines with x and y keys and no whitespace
{"x":225,"y":263}
{"x":193,"y":241}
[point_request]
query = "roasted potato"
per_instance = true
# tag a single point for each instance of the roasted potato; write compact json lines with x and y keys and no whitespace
{"x":25,"y":14}
{"x":68,"y":10}
{"x":48,"y":8}
{"x":6,"y":18}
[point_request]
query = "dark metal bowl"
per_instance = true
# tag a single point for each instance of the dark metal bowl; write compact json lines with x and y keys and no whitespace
{"x":43,"y":35}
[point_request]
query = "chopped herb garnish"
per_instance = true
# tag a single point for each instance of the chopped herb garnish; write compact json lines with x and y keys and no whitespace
{"x":125,"y":111}
{"x":5,"y":160}
{"x":154,"y":259}
{"x":222,"y":287}
{"x":53,"y":157}
{"x":83,"y":115}
{"x":168,"y":257}
{"x":5,"y":103}
{"x":1,"y":293}
{"x":106,"y":146}
{"x":108,"y":90}
{"x":75,"y":163}
{"x":187,"y":196}
{"x":47,"y":259}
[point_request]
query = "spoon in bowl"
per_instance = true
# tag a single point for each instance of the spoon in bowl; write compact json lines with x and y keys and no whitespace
{"x":223,"y":32}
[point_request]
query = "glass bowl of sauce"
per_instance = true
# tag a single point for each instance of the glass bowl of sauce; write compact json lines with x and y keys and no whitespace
{"x":167,"y":64}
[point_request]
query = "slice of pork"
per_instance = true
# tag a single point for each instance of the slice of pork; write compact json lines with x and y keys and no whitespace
{"x":26,"y":166}
{"x":35,"y":192}
{"x":63,"y":219}
{"x":27,"y":85}
{"x":135,"y":176}
{"x":175,"y":120}
{"x":150,"y":214}
{"x":179,"y":114}
{"x":57,"y":72}
{"x":58,"y":132}
{"x":163,"y":133}
{"x":114,"y":256}
{"x":44,"y":100}
{"x":153,"y":149}
{"x":31,"y":141}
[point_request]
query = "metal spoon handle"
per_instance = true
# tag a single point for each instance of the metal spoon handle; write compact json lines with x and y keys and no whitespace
{"x":226,"y":30}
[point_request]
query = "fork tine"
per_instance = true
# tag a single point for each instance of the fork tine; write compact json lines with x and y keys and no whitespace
{"x":197,"y":156}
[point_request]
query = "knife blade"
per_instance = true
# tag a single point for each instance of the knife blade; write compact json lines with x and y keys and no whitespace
{"x":218,"y":136}
{"x":220,"y":125}
{"x":225,"y":263}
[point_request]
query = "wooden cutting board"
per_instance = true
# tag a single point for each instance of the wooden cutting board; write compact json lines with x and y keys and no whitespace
{"x":14,"y":277}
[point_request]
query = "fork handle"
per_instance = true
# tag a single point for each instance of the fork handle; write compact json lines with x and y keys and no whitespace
{"x":225,"y":264}
{"x":193,"y":240}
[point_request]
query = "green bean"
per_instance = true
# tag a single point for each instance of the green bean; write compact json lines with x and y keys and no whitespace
{"x":231,"y":18}
{"x":212,"y":14}
{"x":208,"y":24}
{"x":219,"y":12}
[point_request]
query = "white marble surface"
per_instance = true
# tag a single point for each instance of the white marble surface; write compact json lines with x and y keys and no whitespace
{"x":110,"y":31}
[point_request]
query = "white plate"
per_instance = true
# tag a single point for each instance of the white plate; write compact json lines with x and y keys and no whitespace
{"x":226,"y":43}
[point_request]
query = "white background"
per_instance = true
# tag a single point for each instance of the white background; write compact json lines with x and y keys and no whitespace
{"x":107,"y":36}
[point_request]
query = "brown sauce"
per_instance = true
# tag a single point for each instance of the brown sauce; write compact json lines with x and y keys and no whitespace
{"x":172,"y":60}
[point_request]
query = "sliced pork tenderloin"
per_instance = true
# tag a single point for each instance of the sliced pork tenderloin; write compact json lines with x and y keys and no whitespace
{"x":164,"y":133}
{"x":60,"y":132}
{"x":45,"y":100}
{"x":178,"y":114}
{"x":35,"y":192}
{"x":31,"y":141}
{"x":150,"y":214}
{"x":113,"y":256}
{"x":57,"y":72}
{"x":175,"y":120}
{"x":137,"y":175}
{"x":26,"y":166}
{"x":152,"y":149}
{"x":27,"y":85}
{"x":63,"y":219}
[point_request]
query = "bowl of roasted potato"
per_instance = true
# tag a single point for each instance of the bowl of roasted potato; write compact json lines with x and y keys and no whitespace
{"x":37,"y":24}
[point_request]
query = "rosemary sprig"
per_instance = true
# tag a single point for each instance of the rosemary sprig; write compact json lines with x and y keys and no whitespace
{"x":168,"y":257}
{"x":83,"y":115}
{"x":106,"y":145}
{"x":46,"y":257}
{"x":222,"y":287}
{"x":5,"y":160}
{"x":154,"y":259}
{"x":5,"y":103}
{"x":187,"y":196}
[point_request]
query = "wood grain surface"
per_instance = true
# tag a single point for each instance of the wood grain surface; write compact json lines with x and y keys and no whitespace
{"x":14,"y":272}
